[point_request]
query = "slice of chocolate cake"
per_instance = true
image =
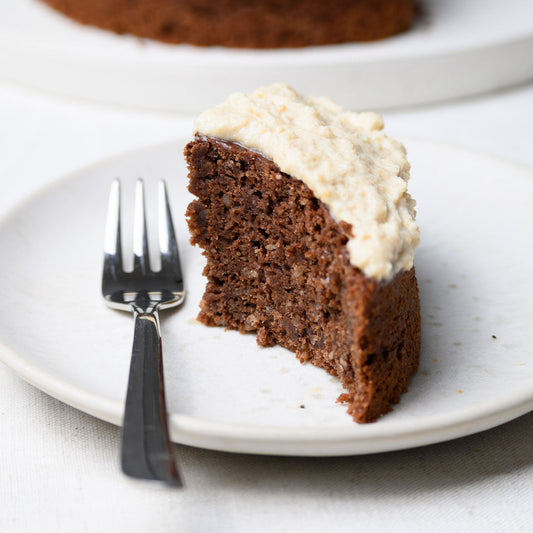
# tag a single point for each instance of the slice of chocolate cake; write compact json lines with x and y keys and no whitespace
{"x":309,"y":236}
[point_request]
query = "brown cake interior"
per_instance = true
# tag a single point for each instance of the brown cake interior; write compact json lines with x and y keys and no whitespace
{"x":245,"y":23}
{"x":277,"y":264}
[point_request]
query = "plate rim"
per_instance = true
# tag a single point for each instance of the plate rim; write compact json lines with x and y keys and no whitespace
{"x":248,"y":438}
{"x":266,"y":440}
{"x":398,"y":66}
{"x":359,"y":52}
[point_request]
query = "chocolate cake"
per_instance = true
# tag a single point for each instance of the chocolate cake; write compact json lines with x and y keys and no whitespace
{"x":245,"y":23}
{"x":282,"y":263}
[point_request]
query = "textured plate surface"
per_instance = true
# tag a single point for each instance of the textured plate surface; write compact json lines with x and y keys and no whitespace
{"x":226,"y":393}
{"x":456,"y":49}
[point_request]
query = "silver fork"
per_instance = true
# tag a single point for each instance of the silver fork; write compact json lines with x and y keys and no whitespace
{"x":146,"y":448}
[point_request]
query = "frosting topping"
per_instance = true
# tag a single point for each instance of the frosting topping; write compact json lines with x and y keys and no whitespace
{"x":342,"y":156}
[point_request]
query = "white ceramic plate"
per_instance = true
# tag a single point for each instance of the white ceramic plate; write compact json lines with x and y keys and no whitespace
{"x":223,"y":391}
{"x":458,"y":48}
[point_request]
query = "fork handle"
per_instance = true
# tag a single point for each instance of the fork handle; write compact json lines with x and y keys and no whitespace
{"x":146,"y":447}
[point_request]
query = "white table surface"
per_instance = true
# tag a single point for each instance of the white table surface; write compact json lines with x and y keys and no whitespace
{"x":59,"y":469}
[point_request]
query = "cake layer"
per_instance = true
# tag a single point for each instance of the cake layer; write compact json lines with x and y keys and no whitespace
{"x":245,"y":23}
{"x":278,"y":264}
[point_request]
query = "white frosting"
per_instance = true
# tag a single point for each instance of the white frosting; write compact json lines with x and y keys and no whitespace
{"x":342,"y":156}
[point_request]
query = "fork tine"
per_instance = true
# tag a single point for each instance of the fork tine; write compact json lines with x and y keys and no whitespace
{"x":112,"y":238}
{"x":141,"y":258}
{"x":167,"y":236}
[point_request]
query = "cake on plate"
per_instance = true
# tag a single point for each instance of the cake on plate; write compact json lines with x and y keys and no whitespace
{"x":245,"y":23}
{"x":309,"y":233}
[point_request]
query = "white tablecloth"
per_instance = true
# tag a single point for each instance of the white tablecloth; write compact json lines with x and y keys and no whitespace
{"x":59,"y":468}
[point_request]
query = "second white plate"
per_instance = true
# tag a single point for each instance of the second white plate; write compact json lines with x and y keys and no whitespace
{"x":459,"y":48}
{"x":223,"y":391}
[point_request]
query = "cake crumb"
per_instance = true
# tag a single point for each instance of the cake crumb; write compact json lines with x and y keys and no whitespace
{"x":460,"y":391}
{"x":343,"y":398}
